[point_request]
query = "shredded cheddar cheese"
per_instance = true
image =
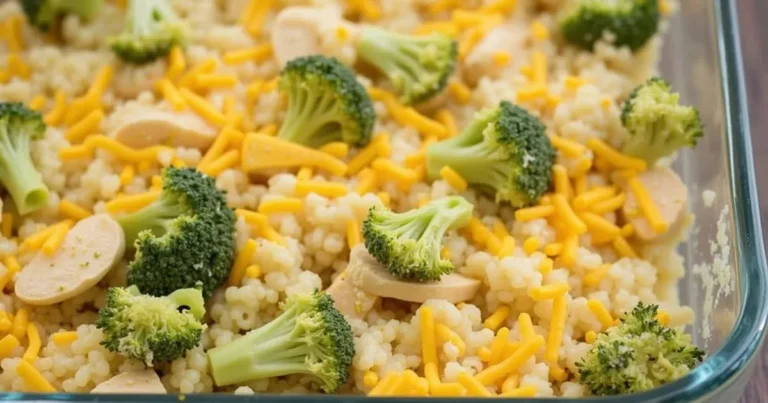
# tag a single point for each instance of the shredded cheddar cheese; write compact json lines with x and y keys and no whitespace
{"x":539,"y":31}
{"x":64,"y":338}
{"x":647,"y":206}
{"x":623,"y":248}
{"x":389,"y":169}
{"x":569,"y":217}
{"x":72,"y":210}
{"x":6,"y":226}
{"x":550,"y":291}
{"x":88,"y":125}
{"x":12,"y":267}
{"x":523,"y":391}
{"x":460,"y":92}
{"x":511,"y":363}
{"x":448,"y":121}
{"x":601,"y":313}
{"x":593,"y":276}
{"x":446,"y":335}
{"x":256,"y":54}
{"x":546,"y":266}
{"x":7,"y":344}
{"x":531,"y":244}
{"x":177,"y":63}
{"x":556,"y":328}
{"x":338,"y":149}
{"x":242,"y":261}
{"x":609,"y":205}
{"x":599,"y":225}
{"x":497,"y":318}
{"x":353,"y":233}
{"x":615,"y":158}
{"x":281,"y":205}
{"x":56,"y":114}
{"x":534,"y":213}
{"x":473,"y":386}
{"x":567,"y":147}
{"x":327,"y":189}
{"x":367,"y":154}
{"x":454,"y":179}
{"x":526,"y":327}
{"x":133,"y":202}
{"x":35,"y":381}
{"x":52,"y":244}
{"x":33,"y":347}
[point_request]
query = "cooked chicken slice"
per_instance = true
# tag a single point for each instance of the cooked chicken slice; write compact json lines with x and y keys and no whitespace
{"x":347,"y":296}
{"x":148,"y":126}
{"x":133,"y":382}
{"x":86,"y":255}
{"x":298,"y":31}
{"x":668,"y":193}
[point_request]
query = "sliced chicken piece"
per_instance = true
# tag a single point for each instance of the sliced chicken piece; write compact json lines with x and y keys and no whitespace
{"x":298,"y":31}
{"x":668,"y":193}
{"x":373,"y":278}
{"x":146,"y":126}
{"x":348,"y":297}
{"x":510,"y":38}
{"x":133,"y":382}
{"x":86,"y":255}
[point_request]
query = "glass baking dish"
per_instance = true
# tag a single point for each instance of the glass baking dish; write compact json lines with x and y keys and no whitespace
{"x":727,"y":288}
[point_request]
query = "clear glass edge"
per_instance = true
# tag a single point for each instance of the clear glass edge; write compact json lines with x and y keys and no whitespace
{"x":719,"y":370}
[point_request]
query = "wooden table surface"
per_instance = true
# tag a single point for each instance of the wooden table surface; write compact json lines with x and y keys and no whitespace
{"x":754,"y":32}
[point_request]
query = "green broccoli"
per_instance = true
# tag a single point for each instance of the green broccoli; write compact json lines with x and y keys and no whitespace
{"x":637,"y":355}
{"x":18,"y":126}
{"x":631,"y":22}
{"x":326,"y":103}
{"x":417,"y":66}
{"x":151,"y":329}
{"x":42,"y":14}
{"x":310,"y":337}
{"x":409,"y":243}
{"x":503,"y":151}
{"x":152,"y":29}
{"x":185,"y":237}
{"x":657,"y":124}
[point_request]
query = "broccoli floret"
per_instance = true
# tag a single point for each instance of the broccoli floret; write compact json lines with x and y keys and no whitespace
{"x":18,"y":126}
{"x":657,"y":124}
{"x":151,"y":329}
{"x":504,"y":151}
{"x":42,"y":14}
{"x":631,"y":22}
{"x":310,"y":337}
{"x":409,"y":243}
{"x":417,"y":66}
{"x":185,"y":237}
{"x":326,"y":103}
{"x":637,"y":355}
{"x":152,"y":29}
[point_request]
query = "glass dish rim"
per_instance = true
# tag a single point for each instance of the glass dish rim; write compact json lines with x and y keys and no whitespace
{"x":720,"y":368}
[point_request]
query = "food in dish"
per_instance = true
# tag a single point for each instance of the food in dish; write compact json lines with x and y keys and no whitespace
{"x":427,"y":197}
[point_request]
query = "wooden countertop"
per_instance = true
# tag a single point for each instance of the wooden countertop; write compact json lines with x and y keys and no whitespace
{"x":754,"y":31}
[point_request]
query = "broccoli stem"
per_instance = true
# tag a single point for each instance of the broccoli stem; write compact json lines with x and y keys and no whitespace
{"x":20,"y":177}
{"x":84,"y":8}
{"x":271,"y":350}
{"x":311,"y":120}
{"x":154,"y":217}
{"x":388,"y":52}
